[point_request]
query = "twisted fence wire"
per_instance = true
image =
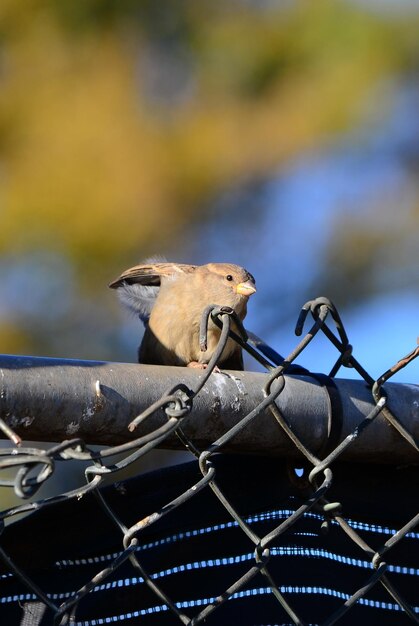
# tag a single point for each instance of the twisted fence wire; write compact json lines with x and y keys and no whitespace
{"x":34,"y":467}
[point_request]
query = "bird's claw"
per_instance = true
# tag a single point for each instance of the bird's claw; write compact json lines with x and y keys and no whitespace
{"x":203,"y":366}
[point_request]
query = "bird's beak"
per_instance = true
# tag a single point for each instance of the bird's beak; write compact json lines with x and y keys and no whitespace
{"x":246,"y":289}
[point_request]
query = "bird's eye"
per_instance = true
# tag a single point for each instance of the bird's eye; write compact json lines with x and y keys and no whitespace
{"x":229,"y":277}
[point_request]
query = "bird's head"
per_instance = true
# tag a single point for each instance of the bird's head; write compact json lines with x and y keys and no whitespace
{"x":227,"y":284}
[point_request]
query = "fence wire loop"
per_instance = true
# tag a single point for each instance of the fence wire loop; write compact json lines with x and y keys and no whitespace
{"x":310,"y":477}
{"x":218,"y":315}
{"x":26,"y":485}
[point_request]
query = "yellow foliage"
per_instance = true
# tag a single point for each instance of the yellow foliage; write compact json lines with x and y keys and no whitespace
{"x":94,"y":168}
{"x":13,"y":339}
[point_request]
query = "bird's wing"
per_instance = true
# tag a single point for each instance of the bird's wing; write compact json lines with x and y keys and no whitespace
{"x":150,"y":274}
{"x":138,"y":286}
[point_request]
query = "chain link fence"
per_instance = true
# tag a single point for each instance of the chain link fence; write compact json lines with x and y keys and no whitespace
{"x":261,"y":538}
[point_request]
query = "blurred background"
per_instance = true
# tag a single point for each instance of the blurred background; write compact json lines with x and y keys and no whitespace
{"x":279,"y":135}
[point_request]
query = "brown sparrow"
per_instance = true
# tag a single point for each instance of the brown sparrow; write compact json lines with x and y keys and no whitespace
{"x":170,"y":299}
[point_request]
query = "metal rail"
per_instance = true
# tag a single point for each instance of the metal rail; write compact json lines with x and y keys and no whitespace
{"x":44,"y":399}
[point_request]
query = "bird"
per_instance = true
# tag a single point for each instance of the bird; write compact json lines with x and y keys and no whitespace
{"x":170,"y":299}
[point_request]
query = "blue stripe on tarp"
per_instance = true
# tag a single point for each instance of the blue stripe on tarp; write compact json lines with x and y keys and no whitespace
{"x":389,"y":606}
{"x":293,"y":551}
{"x":252,"y":519}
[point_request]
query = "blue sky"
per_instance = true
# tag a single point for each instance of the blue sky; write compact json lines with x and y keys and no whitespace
{"x":282,"y":234}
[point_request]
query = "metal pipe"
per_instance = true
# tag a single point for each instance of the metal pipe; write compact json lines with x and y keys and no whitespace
{"x":45,"y":399}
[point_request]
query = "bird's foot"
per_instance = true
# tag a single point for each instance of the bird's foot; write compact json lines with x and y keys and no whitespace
{"x":197,"y":365}
{"x":203,"y":366}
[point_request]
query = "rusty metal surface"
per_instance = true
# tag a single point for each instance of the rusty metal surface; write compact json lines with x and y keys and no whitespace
{"x":55,"y":399}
